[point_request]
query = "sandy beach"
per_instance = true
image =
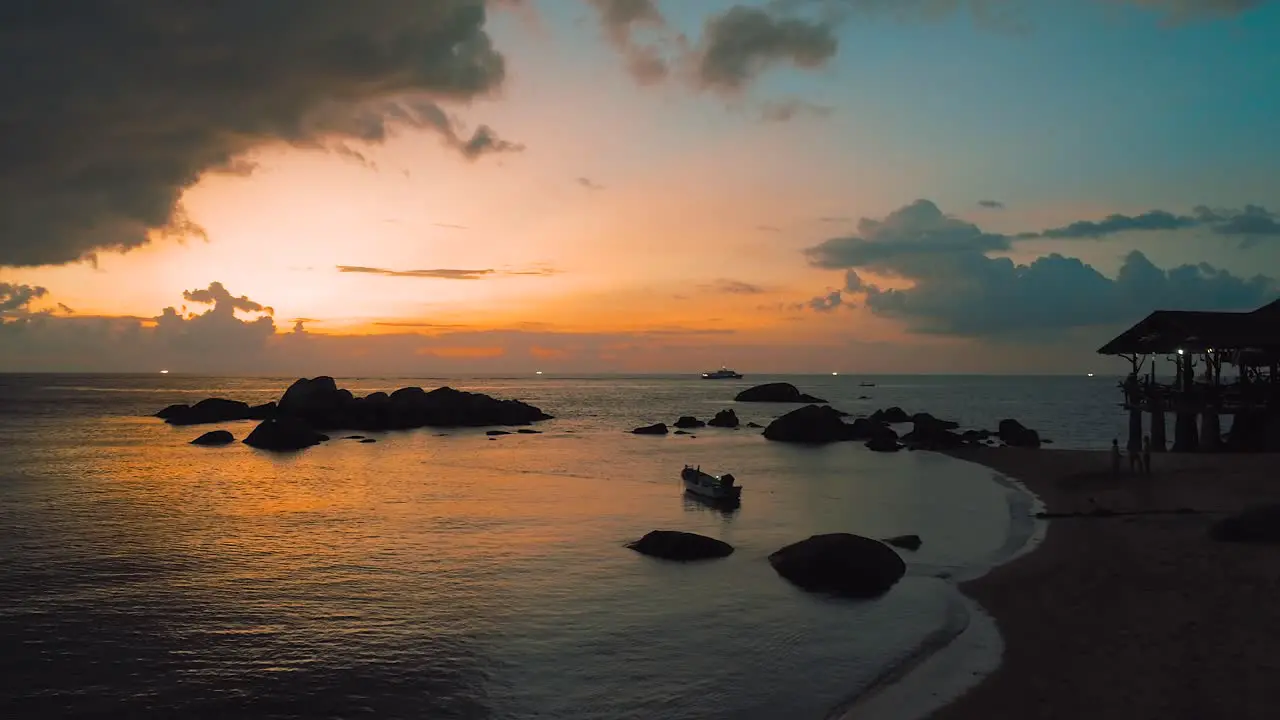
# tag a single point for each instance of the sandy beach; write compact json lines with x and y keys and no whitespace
{"x":1133,"y":616}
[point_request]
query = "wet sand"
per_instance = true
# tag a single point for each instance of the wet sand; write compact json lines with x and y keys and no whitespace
{"x":1133,"y":617}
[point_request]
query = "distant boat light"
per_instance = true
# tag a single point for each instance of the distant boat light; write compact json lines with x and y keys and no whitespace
{"x":835,"y":373}
{"x":164,"y":372}
{"x":538,"y":373}
{"x":1090,"y":374}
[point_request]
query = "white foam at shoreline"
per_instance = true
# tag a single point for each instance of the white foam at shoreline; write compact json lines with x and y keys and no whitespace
{"x":954,"y":659}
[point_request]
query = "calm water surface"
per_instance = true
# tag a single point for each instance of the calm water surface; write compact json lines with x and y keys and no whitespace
{"x":454,"y":576}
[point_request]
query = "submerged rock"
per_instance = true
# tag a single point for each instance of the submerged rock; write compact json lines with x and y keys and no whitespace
{"x":688,"y":421}
{"x":810,"y":424}
{"x":654,"y":429}
{"x":778,"y":393}
{"x":366,"y":441}
{"x":754,"y":425}
{"x":528,"y":431}
{"x":906,"y":542}
{"x":494,"y":433}
{"x":681,"y":546}
{"x":1259,"y":524}
{"x":215,"y":437}
{"x":724,"y":419}
{"x":840,"y":563}
{"x":283,"y":434}
{"x":893,"y":415}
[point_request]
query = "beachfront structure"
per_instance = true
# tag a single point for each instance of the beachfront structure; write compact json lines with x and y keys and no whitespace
{"x":1199,"y":344}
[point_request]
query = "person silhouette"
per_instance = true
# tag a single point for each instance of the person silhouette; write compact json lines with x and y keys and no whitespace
{"x":1115,"y":457}
{"x":1146,"y":455}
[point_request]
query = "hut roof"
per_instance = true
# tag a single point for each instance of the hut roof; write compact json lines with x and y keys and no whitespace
{"x":1166,"y":331}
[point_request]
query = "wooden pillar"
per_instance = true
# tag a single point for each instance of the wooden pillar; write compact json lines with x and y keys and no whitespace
{"x":1158,"y":441}
{"x":1135,"y":428}
{"x":1185,"y":435}
{"x":1210,"y":431}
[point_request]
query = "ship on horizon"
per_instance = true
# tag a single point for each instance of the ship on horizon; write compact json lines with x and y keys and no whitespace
{"x":723,"y":373}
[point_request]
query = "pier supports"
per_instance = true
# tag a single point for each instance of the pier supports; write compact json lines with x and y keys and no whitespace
{"x":1135,"y":429}
{"x":1158,"y":441}
{"x":1210,"y":432}
{"x":1185,"y":435}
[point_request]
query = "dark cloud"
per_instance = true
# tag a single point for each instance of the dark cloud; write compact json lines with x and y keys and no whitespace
{"x":120,"y":107}
{"x":1251,"y":224}
{"x":218,"y":296}
{"x":956,"y":289}
{"x":785,"y":110}
{"x":444,"y":273}
{"x":826,"y":303}
{"x":1112,"y":224}
{"x":622,"y":20}
{"x":17,"y":299}
{"x":740,"y":43}
{"x":216,"y":330}
{"x":1191,"y":9}
{"x":735,"y":287}
{"x":991,"y":204}
{"x":589,"y":184}
{"x":437,"y":273}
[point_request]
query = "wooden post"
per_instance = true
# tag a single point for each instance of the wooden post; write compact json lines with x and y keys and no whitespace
{"x":1158,"y":441}
{"x":1185,"y":435}
{"x":1210,"y":431}
{"x":1135,"y":428}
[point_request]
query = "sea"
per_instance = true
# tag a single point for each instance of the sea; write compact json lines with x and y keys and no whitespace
{"x":441,"y":573}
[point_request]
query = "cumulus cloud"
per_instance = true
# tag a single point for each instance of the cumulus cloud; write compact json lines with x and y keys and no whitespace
{"x":115,"y":115}
{"x":17,"y":299}
{"x":740,"y":43}
{"x":622,"y":21}
{"x":826,"y":303}
{"x":957,"y":289}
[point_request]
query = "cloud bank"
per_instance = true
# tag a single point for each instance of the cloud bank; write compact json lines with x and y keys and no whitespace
{"x":120,"y":107}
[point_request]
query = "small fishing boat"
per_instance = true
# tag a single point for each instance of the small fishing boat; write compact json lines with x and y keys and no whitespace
{"x":711,"y":487}
{"x":866,"y":384}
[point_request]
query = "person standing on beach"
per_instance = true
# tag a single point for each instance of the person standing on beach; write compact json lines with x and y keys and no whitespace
{"x":1146,"y":455}
{"x":1135,"y":462}
{"x":1115,"y":457}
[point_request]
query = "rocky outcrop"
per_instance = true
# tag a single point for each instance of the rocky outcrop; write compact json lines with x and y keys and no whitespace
{"x":930,"y":433}
{"x":891,"y":415}
{"x":283,"y":434}
{"x":1256,"y":525}
{"x":883,"y":439}
{"x":1015,"y":434}
{"x":906,"y":542}
{"x":810,"y":424}
{"x":654,"y":429}
{"x":212,"y":410}
{"x":777,"y":393}
{"x":688,"y":421}
{"x":214,"y":438}
{"x":754,"y":425}
{"x":680,"y":546}
{"x":724,"y":419}
{"x":841,"y":564}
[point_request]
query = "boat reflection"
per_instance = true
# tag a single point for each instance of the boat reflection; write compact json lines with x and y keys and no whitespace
{"x":726,"y":509}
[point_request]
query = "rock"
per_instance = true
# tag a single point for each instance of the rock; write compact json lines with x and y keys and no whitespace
{"x":681,"y":546}
{"x":724,"y":419}
{"x":906,"y":542}
{"x":864,"y":397}
{"x":930,"y":433}
{"x":262,"y":412}
{"x":654,"y":429}
{"x":682,"y":432}
{"x":754,"y":425}
{"x":215,"y":437}
{"x":324,"y":406}
{"x":810,"y":424}
{"x":495,"y":433}
{"x":840,"y":563}
{"x":353,"y":437}
{"x":283,"y":434}
{"x":528,"y":431}
{"x":1259,"y":524}
{"x":927,"y":420}
{"x":777,"y":393}
{"x":366,"y":441}
{"x":212,"y":410}
{"x":688,"y":421}
{"x":886,"y":441}
{"x":310,"y":397}
{"x":866,"y":428}
{"x":891,"y":415}
{"x":1015,"y":434}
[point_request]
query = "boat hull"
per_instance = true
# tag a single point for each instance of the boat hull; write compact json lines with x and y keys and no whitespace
{"x":709,"y":487}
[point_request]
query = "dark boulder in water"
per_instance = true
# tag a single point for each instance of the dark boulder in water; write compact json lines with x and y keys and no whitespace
{"x":906,"y":542}
{"x":688,"y":421}
{"x":884,"y":440}
{"x":366,"y":441}
{"x":930,"y":433}
{"x":528,"y":431}
{"x":283,"y":434}
{"x":810,"y":424}
{"x":754,"y":425}
{"x":1015,"y":434}
{"x":654,"y":429}
{"x":893,"y":415}
{"x":841,"y":564}
{"x":681,"y":546}
{"x":724,"y":419}
{"x":777,"y":393}
{"x":1259,"y":524}
{"x":215,"y":437}
{"x":495,"y":433}
{"x":211,"y":410}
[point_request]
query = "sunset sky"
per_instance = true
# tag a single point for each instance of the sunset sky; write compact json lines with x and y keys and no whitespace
{"x":439,"y":186}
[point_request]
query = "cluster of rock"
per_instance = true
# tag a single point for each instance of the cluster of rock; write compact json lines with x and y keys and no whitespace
{"x":311,"y":406}
{"x":820,"y":424}
{"x":777,"y":393}
{"x":837,"y":563}
{"x":722,"y":419}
